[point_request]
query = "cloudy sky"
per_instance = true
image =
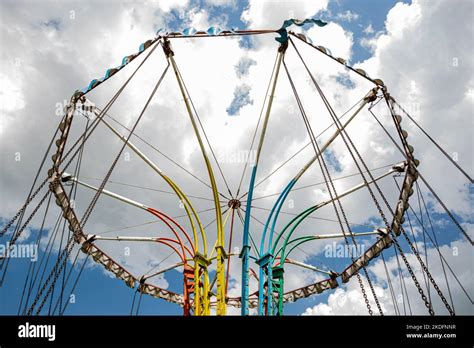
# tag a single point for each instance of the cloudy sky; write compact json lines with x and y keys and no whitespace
{"x":422,"y":50}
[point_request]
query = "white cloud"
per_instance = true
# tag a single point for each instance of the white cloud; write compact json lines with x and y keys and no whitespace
{"x":415,"y":36}
{"x":369,"y":29}
{"x":341,"y":302}
{"x":221,"y":3}
{"x":270,"y":14}
{"x":348,"y":16}
{"x":369,"y":42}
{"x":402,"y":18}
{"x":334,"y":37}
{"x":11,"y":96}
{"x":168,"y":5}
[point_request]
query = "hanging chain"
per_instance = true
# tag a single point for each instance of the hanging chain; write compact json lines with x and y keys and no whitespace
{"x":56,"y":272}
{"x":18,"y":233}
{"x":382,"y":214}
{"x":369,"y":281}
{"x":389,"y":229}
{"x":22,"y":209}
{"x":325,"y":171}
{"x":413,"y":167}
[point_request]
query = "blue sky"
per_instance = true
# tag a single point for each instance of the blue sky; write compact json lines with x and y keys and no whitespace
{"x":97,"y":293}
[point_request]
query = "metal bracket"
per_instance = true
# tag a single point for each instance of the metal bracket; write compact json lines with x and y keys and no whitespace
{"x":201,"y":260}
{"x":224,"y":253}
{"x":167,"y":48}
{"x":264,"y":260}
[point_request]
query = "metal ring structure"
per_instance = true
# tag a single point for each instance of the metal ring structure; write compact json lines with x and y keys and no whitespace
{"x":202,"y":260}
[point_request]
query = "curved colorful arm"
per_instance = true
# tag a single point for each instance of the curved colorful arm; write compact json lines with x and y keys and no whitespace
{"x":279,"y":254}
{"x":266,"y":260}
{"x":246,"y":245}
{"x":284,"y":194}
{"x":163,"y":217}
{"x":303,"y":215}
{"x":294,"y":243}
{"x":201,"y":306}
{"x":221,"y":302}
{"x":296,"y":221}
{"x":167,"y":242}
{"x":188,"y":238}
{"x":190,"y":211}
